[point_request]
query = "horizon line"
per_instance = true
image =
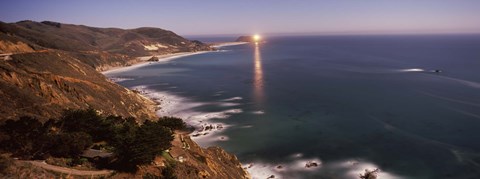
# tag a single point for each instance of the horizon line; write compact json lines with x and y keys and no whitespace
{"x":330,"y":33}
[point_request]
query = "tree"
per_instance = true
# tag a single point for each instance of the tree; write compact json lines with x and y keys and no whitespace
{"x":172,"y":122}
{"x":136,"y":145}
{"x":76,"y":130}
{"x":87,"y":121}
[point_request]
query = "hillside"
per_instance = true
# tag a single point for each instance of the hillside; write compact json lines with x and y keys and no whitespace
{"x":44,"y":83}
{"x":98,"y":46}
{"x":48,"y":67}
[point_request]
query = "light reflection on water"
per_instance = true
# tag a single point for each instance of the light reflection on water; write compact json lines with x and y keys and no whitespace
{"x":258,"y":80}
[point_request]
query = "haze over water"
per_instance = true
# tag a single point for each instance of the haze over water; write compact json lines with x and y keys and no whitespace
{"x":350,"y":102}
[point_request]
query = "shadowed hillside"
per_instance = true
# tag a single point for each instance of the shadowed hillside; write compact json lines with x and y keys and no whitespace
{"x":44,"y":83}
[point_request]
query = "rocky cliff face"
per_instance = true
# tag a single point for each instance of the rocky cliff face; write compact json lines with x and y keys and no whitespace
{"x":213,"y":162}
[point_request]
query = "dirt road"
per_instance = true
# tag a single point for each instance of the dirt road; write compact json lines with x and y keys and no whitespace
{"x":69,"y":171}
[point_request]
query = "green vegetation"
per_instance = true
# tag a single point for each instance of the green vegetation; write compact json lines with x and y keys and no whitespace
{"x":136,"y":145}
{"x":132,"y":143}
{"x":172,"y":123}
{"x":167,"y":156}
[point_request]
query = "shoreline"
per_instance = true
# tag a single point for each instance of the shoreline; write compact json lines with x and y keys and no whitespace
{"x":144,"y":61}
{"x":206,"y":131}
{"x":169,"y":104}
{"x":165,"y":103}
{"x":224,"y":44}
{"x":168,"y":57}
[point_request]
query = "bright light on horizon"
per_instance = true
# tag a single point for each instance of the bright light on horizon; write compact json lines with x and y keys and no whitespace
{"x":256,"y":37}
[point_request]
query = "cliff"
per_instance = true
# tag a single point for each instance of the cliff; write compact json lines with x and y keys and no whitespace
{"x":48,"y":67}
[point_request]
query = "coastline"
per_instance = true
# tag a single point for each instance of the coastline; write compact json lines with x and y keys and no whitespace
{"x":224,"y":44}
{"x":144,"y":61}
{"x":206,"y":132}
{"x":167,"y":103}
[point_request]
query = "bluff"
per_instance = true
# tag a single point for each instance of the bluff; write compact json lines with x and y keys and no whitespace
{"x":46,"y":67}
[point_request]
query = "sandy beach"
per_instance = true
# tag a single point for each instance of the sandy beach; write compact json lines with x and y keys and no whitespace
{"x":168,"y":57}
{"x":144,"y":61}
{"x":224,"y":44}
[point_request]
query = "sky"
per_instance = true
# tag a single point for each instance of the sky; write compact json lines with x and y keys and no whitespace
{"x":216,"y":17}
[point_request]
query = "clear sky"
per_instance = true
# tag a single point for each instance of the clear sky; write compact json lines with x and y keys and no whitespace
{"x":197,"y":17}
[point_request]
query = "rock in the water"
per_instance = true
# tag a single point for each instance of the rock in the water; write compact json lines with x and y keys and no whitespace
{"x":311,"y":164}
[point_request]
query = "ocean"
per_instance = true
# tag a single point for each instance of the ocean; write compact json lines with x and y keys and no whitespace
{"x":408,"y":105}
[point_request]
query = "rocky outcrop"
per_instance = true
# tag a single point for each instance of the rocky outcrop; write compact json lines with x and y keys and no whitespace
{"x":10,"y":47}
{"x":193,"y":161}
{"x":213,"y":162}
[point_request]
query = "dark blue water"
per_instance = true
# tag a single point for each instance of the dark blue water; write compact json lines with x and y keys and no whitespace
{"x":352,"y":102}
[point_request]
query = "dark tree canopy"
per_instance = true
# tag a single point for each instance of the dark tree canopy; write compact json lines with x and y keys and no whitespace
{"x":140,"y":145}
{"x":132,"y":143}
{"x":172,"y":122}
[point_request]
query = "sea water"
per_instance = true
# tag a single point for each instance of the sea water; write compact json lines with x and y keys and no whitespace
{"x":407,"y":105}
